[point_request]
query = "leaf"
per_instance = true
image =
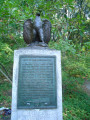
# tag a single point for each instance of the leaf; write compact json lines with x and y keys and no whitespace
{"x":81,"y":33}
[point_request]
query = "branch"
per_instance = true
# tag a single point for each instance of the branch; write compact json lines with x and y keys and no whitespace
{"x":6,"y":76}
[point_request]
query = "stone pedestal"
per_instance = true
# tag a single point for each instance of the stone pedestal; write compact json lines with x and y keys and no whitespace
{"x":49,"y":107}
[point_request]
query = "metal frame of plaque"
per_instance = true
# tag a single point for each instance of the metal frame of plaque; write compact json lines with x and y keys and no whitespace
{"x":37,"y":82}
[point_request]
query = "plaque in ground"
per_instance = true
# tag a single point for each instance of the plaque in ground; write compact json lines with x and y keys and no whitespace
{"x":37,"y":82}
{"x":37,"y":87}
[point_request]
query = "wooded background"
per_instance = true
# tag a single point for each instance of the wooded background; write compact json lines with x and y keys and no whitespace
{"x":70,"y":34}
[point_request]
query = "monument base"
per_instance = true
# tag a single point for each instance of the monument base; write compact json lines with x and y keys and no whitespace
{"x":37,"y":85}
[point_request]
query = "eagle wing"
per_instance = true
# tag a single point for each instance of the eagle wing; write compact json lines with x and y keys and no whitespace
{"x":28,"y":34}
{"x":46,"y":30}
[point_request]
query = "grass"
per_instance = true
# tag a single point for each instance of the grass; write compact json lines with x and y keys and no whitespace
{"x":76,"y":103}
{"x":5,"y":93}
{"x":76,"y":106}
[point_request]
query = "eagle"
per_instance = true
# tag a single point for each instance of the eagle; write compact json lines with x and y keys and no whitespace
{"x":37,"y":31}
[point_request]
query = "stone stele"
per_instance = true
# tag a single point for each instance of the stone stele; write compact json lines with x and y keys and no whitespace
{"x":20,"y":93}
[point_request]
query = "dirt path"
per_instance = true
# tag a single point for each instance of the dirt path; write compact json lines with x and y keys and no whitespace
{"x":86,"y":87}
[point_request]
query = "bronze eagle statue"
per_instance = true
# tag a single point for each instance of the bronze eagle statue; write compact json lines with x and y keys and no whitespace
{"x":39,"y":30}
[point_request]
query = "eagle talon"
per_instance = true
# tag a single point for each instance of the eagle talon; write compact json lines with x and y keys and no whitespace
{"x":43,"y":44}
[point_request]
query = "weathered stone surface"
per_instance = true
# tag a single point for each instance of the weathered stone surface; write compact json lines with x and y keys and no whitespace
{"x":36,"y":114}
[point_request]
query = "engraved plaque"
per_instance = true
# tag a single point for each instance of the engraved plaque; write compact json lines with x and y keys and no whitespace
{"x":37,"y":82}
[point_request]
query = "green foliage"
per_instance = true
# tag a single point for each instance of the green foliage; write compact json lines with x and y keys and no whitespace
{"x":6,"y":55}
{"x":76,"y":106}
{"x":5,"y":93}
{"x":64,"y":46}
{"x":76,"y":102}
{"x":76,"y":66}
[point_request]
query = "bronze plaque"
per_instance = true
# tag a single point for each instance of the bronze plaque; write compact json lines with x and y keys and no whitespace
{"x":37,"y":82}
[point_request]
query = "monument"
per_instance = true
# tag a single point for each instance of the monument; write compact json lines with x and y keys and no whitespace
{"x":37,"y":86}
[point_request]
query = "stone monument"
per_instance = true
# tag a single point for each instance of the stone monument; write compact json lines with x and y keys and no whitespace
{"x":37,"y":85}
